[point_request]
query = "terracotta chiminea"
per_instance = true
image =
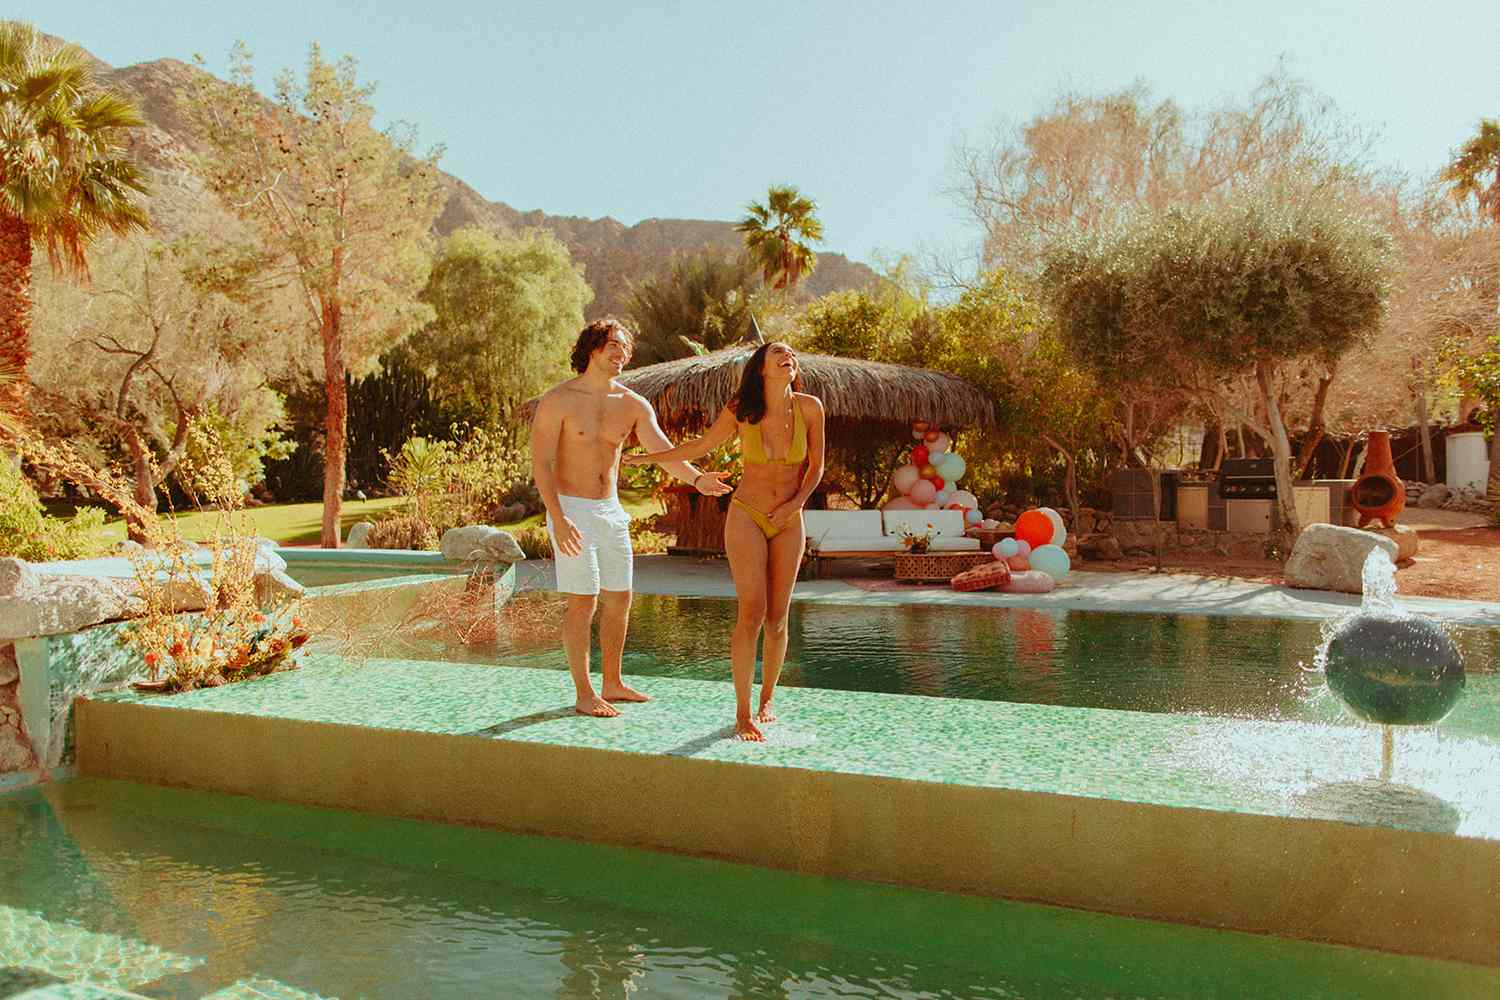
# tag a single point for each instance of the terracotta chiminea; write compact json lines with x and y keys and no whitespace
{"x":1378,"y":494}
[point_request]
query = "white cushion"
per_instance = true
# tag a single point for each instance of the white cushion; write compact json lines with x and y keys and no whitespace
{"x":842,"y":524}
{"x":944,"y":522}
{"x":947,"y":543}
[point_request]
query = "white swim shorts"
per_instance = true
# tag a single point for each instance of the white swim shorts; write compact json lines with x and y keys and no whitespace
{"x":605,"y":562}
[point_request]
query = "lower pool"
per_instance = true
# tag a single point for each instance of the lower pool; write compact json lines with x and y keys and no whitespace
{"x":185,"y":894}
{"x":1256,"y":668}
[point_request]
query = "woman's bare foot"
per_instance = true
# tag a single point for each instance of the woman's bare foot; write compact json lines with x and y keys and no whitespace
{"x":623,"y":692}
{"x":765,"y":714}
{"x":596,"y":706}
{"x":746,"y":730}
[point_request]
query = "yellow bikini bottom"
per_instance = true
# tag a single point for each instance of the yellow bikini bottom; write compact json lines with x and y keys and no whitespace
{"x":763,"y":521}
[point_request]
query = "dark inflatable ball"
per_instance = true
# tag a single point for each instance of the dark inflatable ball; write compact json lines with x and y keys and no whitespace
{"x":1395,"y":670}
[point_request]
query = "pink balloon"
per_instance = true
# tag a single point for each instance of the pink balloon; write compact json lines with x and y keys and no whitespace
{"x":942,"y":444}
{"x":1019,"y":563}
{"x":901,"y":503}
{"x":922,"y":491}
{"x":1023,"y":547}
{"x":995,"y":551}
{"x":904,"y":477}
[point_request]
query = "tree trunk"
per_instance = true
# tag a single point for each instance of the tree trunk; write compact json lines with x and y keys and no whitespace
{"x":1223,"y":447}
{"x":15,"y":308}
{"x":1424,"y":428}
{"x":335,"y":424}
{"x":1315,"y":427}
{"x":145,"y":489}
{"x":1281,"y":448}
{"x":1210,"y":451}
{"x":1070,"y":484}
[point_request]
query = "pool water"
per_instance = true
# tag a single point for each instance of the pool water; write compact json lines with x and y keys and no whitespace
{"x":185,"y":894}
{"x":1239,"y":667}
{"x":325,"y":575}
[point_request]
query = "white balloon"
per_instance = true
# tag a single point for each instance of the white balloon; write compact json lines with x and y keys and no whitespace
{"x":942,"y":497}
{"x":942,"y":444}
{"x":904,"y":477}
{"x":918,"y":435}
{"x":1059,"y":533}
{"x":964,"y":499}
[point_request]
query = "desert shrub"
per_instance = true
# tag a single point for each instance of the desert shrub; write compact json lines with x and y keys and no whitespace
{"x":403,"y":531}
{"x":534,"y":541}
{"x":28,"y":532}
{"x":481,"y":478}
{"x":647,"y":536}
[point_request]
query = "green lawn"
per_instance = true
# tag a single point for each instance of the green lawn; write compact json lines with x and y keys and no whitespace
{"x":302,"y":523}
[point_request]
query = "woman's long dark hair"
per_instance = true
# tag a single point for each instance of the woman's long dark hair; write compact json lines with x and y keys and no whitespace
{"x":750,"y":402}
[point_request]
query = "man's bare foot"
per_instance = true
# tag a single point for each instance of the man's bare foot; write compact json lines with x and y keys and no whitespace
{"x":623,"y":692}
{"x":596,"y":706}
{"x":765,"y":714}
{"x":746,"y":730}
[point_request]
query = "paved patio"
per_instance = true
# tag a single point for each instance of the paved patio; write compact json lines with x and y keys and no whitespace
{"x":1085,"y":591}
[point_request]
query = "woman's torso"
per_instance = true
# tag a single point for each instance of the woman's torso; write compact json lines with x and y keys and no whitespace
{"x":783,"y":443}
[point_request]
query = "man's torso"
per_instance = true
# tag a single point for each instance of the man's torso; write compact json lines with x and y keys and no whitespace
{"x":594,"y":429}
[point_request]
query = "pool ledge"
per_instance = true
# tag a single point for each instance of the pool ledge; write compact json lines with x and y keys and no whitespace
{"x":1260,"y":827}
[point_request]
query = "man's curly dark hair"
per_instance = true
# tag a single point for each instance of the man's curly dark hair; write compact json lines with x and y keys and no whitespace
{"x":595,"y":336}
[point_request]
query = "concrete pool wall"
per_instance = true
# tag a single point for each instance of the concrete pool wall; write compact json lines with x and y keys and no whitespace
{"x":1272,"y":828}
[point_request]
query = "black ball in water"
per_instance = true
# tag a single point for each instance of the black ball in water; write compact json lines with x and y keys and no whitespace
{"x":1395,"y":670}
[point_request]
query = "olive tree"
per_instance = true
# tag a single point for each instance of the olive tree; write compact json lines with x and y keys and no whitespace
{"x":1205,"y":300}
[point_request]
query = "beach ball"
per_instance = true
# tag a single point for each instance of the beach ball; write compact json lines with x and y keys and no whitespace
{"x":1005,"y":548}
{"x":923,"y":492}
{"x":938,"y":445}
{"x":953,"y":466}
{"x":1394,"y":669}
{"x":972,"y":517}
{"x":904,"y":478}
{"x":942,"y":499}
{"x":1034,"y":528}
{"x":1059,"y":530}
{"x":919,"y":455}
{"x":1052,"y":560}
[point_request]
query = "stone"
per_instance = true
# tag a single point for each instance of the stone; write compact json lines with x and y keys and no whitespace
{"x":1434,"y":496}
{"x":10,"y":671}
{"x":275,"y":588}
{"x":1406,"y":540}
{"x":1101,"y":547}
{"x":1331,"y":557}
{"x":51,"y":605}
{"x":480,"y":543}
{"x":359,"y":536}
{"x":17,"y":577}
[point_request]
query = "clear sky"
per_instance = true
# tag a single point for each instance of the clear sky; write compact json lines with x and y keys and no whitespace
{"x":647,"y":109}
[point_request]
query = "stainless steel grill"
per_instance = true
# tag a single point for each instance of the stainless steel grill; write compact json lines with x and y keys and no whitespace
{"x":1247,"y":479}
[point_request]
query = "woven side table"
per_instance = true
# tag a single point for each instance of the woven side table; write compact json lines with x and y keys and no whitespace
{"x":937,"y":567}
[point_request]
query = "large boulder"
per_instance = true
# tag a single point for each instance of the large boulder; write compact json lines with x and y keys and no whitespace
{"x":1434,"y":496}
{"x":480,"y":543}
{"x":359,"y":535}
{"x":33,"y":603}
{"x":275,"y":588}
{"x":1332,"y":557}
{"x":1406,"y":540}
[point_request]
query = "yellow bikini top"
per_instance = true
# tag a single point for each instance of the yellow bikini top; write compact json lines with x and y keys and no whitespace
{"x":753,"y":446}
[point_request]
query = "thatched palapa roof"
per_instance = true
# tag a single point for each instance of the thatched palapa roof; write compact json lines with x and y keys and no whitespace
{"x":689,"y":392}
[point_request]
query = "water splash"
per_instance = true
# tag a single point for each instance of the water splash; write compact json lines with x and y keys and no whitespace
{"x":1378,"y":582}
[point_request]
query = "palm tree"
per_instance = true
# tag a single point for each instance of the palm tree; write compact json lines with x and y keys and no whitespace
{"x":64,"y":176}
{"x":1465,"y":175}
{"x":777,"y":233}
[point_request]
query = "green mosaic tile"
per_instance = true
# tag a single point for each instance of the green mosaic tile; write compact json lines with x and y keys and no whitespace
{"x":1438,"y":783}
{"x":30,"y":941}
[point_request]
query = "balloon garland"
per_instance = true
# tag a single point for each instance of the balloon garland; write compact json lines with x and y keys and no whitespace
{"x":926,"y":480}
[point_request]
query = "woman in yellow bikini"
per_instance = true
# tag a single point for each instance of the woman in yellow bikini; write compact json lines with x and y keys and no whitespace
{"x":781,"y":442}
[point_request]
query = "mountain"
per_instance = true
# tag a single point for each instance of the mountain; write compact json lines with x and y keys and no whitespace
{"x":613,"y":254}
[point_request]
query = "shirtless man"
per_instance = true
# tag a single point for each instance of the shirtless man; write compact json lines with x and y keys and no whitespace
{"x":576,"y":436}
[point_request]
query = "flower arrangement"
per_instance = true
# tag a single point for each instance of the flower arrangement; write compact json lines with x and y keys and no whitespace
{"x":917,"y":542}
{"x":213,"y":648}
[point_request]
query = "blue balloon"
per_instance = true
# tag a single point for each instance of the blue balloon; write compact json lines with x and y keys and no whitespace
{"x":1007,"y":547}
{"x":1052,"y":560}
{"x":951,"y":467}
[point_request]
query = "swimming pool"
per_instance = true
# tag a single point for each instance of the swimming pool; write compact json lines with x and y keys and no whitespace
{"x":1254,"y":668}
{"x":184,"y":894}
